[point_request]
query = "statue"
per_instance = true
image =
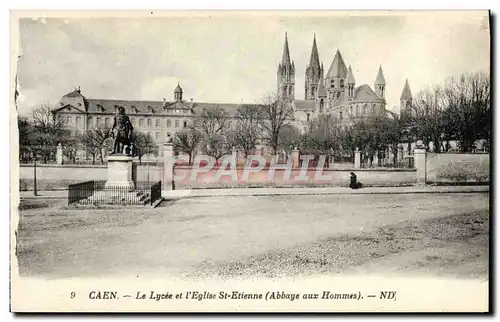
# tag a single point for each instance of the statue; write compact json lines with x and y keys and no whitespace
{"x":122,"y":133}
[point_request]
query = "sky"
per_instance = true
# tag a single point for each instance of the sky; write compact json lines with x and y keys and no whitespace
{"x":232,"y":57}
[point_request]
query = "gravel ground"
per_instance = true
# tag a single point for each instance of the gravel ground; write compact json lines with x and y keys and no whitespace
{"x":453,"y":246}
{"x":265,"y":235}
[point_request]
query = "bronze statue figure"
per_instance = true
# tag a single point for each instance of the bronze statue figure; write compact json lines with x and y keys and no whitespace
{"x":122,"y":133}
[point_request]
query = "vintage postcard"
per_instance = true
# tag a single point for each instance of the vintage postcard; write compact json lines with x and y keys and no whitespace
{"x":240,"y":161}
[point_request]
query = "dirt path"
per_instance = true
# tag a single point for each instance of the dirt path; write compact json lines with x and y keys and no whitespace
{"x":195,"y":237}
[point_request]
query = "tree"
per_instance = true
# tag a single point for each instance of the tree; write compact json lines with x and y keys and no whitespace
{"x":322,"y":135}
{"x":144,"y":144}
{"x":289,"y":138}
{"x":246,"y":135}
{"x":468,"y":114}
{"x":102,"y":135}
{"x":72,"y":146}
{"x":25,"y":129}
{"x":186,"y":141}
{"x":212,"y":119}
{"x":91,"y":144}
{"x":216,"y":145}
{"x":275,"y":114}
{"x":428,"y":116}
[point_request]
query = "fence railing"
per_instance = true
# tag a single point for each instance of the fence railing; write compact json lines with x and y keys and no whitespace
{"x":97,"y":193}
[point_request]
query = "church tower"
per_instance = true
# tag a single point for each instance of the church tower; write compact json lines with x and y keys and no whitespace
{"x":380,"y":83}
{"x":321,"y":97}
{"x":178,"y":93}
{"x":406,"y":100}
{"x":286,"y":75}
{"x":313,"y":73}
{"x":351,"y":82}
{"x":336,"y":78}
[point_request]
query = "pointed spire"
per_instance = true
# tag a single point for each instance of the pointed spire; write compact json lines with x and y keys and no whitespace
{"x":314,"y":61}
{"x":380,"y":80}
{"x":406,"y":94}
{"x":350,"y":76}
{"x":337,"y":68}
{"x":285,"y":61}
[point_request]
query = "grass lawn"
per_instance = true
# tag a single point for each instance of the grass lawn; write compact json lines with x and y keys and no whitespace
{"x":265,"y":235}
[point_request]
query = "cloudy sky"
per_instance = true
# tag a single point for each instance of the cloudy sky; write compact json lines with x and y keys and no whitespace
{"x":232,"y":57}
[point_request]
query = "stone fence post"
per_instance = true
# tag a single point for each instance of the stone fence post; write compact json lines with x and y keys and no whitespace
{"x":420,"y":162}
{"x":168,"y":166}
{"x":295,"y":158}
{"x":357,"y":159}
{"x":59,"y":154}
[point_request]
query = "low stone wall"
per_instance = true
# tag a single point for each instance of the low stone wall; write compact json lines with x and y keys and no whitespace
{"x":457,"y":168}
{"x":186,"y":179}
{"x":55,"y":177}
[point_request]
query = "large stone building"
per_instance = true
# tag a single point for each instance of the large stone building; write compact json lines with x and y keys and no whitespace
{"x":333,"y":93}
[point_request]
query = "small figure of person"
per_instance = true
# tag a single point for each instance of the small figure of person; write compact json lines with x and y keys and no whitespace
{"x":354,"y":182}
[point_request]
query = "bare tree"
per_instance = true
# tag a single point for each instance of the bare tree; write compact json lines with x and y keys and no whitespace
{"x":246,"y":135}
{"x":275,"y":114}
{"x":468,"y":114}
{"x":102,"y":135}
{"x":186,"y":141}
{"x":48,"y":130}
{"x":144,"y":145}
{"x":427,"y":116}
{"x":91,"y":144}
{"x":212,"y":119}
{"x":216,"y":145}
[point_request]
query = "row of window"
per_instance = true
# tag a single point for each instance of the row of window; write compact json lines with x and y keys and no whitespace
{"x":365,"y":110}
{"x":149,"y":122}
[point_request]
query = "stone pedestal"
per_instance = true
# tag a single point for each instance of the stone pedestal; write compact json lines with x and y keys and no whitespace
{"x":120,"y":172}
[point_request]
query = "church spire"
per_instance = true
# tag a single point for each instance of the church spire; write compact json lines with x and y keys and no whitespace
{"x":380,"y":80}
{"x":406,"y":94}
{"x":314,"y":60}
{"x":380,"y":83}
{"x":285,"y":61}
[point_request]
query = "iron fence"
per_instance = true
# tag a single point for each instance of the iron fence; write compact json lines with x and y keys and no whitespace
{"x":98,"y":193}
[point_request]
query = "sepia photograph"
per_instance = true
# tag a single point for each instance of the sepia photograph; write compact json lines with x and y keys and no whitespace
{"x":250,"y":161}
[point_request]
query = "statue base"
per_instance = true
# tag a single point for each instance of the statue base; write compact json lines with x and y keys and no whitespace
{"x":120,"y":172}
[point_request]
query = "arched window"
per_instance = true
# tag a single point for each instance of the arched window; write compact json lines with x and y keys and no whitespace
{"x":150,"y":122}
{"x":89,"y":121}
{"x":332,"y":83}
{"x":133,"y":121}
{"x":350,"y":110}
{"x":98,"y":121}
{"x":373,"y":109}
{"x":78,"y":120}
{"x":169,"y":123}
{"x":357,"y":109}
{"x":308,"y":117}
{"x":68,"y":120}
{"x":157,"y":135}
{"x":364,"y":109}
{"x":321,"y":106}
{"x":141,"y":122}
{"x":106,"y":121}
{"x":157,"y":122}
{"x":341,"y":83}
{"x":340,"y":115}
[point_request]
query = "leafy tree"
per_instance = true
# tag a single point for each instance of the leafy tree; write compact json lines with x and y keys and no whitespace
{"x":186,"y":141}
{"x":144,"y":144}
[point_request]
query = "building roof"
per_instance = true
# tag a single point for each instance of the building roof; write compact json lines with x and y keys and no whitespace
{"x":337,"y":68}
{"x":406,"y":94}
{"x":304,"y":105}
{"x":380,"y":80}
{"x":364,"y":93}
{"x":350,"y":76}
{"x":178,"y":89}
